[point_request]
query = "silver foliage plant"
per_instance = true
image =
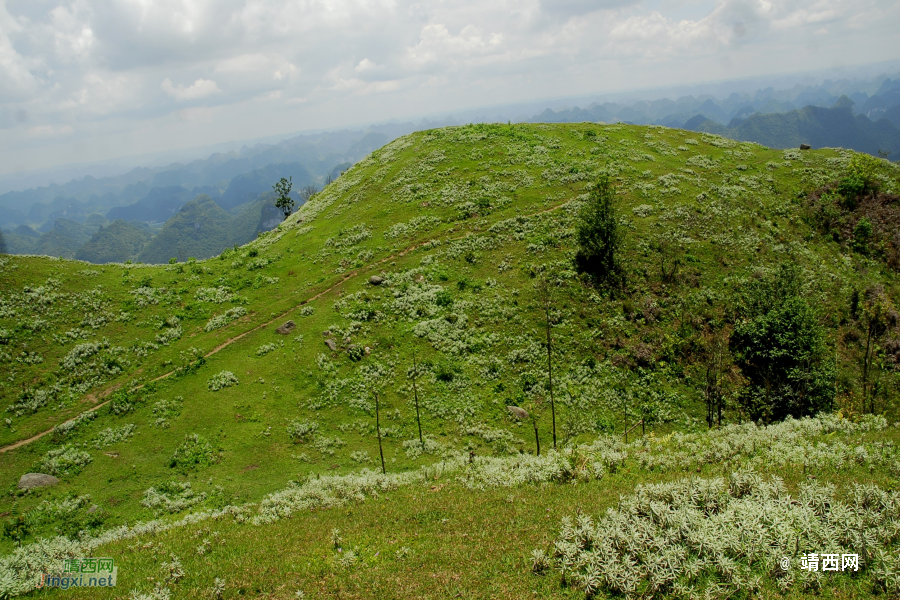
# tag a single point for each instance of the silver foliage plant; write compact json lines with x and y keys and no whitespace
{"x":716,"y":535}
{"x":718,"y":538}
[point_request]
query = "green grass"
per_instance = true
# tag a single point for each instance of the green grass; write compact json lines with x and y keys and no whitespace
{"x":499,"y":204}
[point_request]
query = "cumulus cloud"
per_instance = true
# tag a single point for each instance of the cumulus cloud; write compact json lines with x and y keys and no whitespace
{"x":199,"y":89}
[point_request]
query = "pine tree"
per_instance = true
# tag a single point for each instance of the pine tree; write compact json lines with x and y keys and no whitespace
{"x":599,"y":237}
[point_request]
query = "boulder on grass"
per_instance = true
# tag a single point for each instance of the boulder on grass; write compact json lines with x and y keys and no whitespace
{"x":805,"y":146}
{"x":376,"y":280}
{"x":330,"y":343}
{"x":519,"y":414}
{"x":286,"y":328}
{"x":36,"y":480}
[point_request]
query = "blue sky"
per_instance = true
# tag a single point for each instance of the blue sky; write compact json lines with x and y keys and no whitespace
{"x":85,"y":80}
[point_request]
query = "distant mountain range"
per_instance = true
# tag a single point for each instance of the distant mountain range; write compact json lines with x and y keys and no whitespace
{"x":200,"y":228}
{"x":675,"y":113}
{"x":819,"y":127}
{"x":153,"y":195}
{"x":199,"y":208}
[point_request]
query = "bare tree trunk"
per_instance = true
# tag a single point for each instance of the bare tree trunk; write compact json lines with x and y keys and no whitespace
{"x":378,"y":430}
{"x":416,"y":395}
{"x":537,"y":440}
{"x":543,"y":289}
{"x":550,"y":375}
{"x":866,"y":360}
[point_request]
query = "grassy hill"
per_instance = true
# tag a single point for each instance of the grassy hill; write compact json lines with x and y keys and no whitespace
{"x":118,"y":242}
{"x":64,"y":238}
{"x":244,"y":445}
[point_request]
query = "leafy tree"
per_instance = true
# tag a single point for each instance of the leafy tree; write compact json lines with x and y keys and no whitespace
{"x":284,"y":202}
{"x":599,"y":237}
{"x":781,"y":348}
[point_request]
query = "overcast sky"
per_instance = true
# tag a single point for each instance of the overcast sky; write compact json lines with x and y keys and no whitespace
{"x":86,"y":80}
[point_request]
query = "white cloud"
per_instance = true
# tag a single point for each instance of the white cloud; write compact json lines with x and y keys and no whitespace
{"x":323,"y":63}
{"x":49,"y":130}
{"x":199,"y":89}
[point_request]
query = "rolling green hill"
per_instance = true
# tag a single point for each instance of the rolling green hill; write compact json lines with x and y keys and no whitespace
{"x":199,"y":229}
{"x":423,"y":282}
{"x":118,"y":242}
{"x":64,"y":239}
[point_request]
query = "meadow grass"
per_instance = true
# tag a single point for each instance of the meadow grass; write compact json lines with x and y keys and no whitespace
{"x":459,"y":223}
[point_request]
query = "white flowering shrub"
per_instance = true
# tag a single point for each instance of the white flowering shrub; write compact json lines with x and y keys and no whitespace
{"x":164,"y":410}
{"x":147,"y":296}
{"x":713,"y":536}
{"x":414,"y":448}
{"x":216,"y":295}
{"x":360,"y":456}
{"x":67,"y":460}
{"x":328,"y":445}
{"x":327,"y":490}
{"x":92,"y":363}
{"x":62,"y":430}
{"x":411,"y":227}
{"x":113,"y":435}
{"x":265,"y":349}
{"x":30,"y":400}
{"x":348,"y":237}
{"x":643,"y":210}
{"x":171,"y":497}
{"x":168,"y":336}
{"x":159,"y":592}
{"x":303,"y":431}
{"x":221,"y":380}
{"x":219,"y":321}
{"x":30,"y":358}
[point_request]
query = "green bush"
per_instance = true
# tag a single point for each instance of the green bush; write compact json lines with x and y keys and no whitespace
{"x":862,"y":233}
{"x":599,"y":237}
{"x":859,"y":179}
{"x":193,"y":453}
{"x":781,"y":348}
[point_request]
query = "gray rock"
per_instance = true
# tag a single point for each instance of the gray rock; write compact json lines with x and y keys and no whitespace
{"x":519,"y":414}
{"x":376,"y":280}
{"x":330,"y":343}
{"x":286,"y":328}
{"x":326,"y":333}
{"x":367,"y":350}
{"x":805,"y":146}
{"x":36,"y":480}
{"x":94,"y":508}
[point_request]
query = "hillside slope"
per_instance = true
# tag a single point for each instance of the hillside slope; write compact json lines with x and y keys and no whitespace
{"x":208,"y":405}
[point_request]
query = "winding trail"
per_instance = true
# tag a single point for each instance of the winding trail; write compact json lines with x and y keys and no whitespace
{"x":230,"y":341}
